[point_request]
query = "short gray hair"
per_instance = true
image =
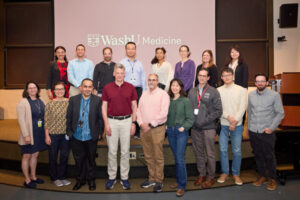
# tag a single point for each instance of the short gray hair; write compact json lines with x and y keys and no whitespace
{"x":119,"y":66}
{"x":153,"y":74}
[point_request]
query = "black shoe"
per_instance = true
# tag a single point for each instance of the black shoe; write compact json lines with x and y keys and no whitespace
{"x":92,"y":185}
{"x":31,"y":184}
{"x":157,"y":187}
{"x":78,"y":185}
{"x":38,"y":181}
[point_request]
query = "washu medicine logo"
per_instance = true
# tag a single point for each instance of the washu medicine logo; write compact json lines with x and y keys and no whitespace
{"x":97,"y":39}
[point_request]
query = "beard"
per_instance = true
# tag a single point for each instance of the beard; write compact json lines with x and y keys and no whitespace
{"x":260,"y":89}
{"x":107,"y":59}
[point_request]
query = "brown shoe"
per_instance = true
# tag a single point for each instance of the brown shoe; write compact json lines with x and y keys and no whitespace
{"x":222,"y":178}
{"x":208,"y":183}
{"x":271,"y":184}
{"x":174,"y":186}
{"x":261,"y":180}
{"x":180,"y":192}
{"x":237,"y":180}
{"x":200,"y":180}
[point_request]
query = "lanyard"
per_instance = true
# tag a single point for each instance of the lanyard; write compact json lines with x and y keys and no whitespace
{"x":84,"y":108}
{"x":200,"y":97}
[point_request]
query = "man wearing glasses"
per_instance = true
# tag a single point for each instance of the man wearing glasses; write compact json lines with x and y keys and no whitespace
{"x":151,"y":116}
{"x":265,"y":112}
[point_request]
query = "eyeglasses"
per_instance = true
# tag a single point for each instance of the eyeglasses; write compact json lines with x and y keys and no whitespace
{"x":203,"y":76}
{"x":60,"y":89}
{"x":228,"y":75}
{"x":149,"y":80}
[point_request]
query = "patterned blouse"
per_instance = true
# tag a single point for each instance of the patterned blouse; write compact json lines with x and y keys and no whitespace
{"x":55,"y":116}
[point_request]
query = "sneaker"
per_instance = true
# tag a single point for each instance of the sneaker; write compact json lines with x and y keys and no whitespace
{"x":136,"y":137}
{"x":180,"y":193}
{"x":38,"y":181}
{"x":237,"y":180}
{"x":58,"y":183}
{"x":110,"y":184}
{"x":261,"y":180}
{"x":66,"y":182}
{"x":147,"y":184}
{"x":157,"y":187}
{"x":31,"y":184}
{"x":126,"y":184}
{"x":222,"y":178}
{"x":271,"y":185}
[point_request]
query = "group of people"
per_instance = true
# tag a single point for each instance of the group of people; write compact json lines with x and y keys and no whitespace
{"x":117,"y":98}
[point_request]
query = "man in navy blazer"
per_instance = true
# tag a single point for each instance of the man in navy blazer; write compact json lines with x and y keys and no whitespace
{"x":84,"y":127}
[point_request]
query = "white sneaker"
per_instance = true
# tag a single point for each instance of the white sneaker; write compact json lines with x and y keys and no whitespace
{"x":58,"y":183}
{"x":66,"y":182}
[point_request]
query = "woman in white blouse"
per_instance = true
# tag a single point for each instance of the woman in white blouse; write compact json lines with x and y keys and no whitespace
{"x":162,"y":68}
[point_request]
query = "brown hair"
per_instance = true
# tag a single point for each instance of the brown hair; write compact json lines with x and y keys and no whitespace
{"x":25,"y":93}
{"x":211,"y":61}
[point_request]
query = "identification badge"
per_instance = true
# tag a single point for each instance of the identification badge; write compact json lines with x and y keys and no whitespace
{"x":40,"y":123}
{"x":67,"y":137}
{"x":80,"y":124}
{"x":196,"y":111}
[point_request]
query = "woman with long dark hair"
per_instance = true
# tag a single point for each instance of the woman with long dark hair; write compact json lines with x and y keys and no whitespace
{"x":162,"y":68}
{"x":239,"y":67}
{"x":55,"y":135}
{"x":30,"y":111}
{"x":185,"y":68}
{"x":58,"y":72}
{"x":208,"y":63}
{"x":180,"y":120}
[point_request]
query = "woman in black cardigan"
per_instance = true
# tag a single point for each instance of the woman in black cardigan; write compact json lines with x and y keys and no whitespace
{"x":208,"y":63}
{"x":240,"y":68}
{"x":58,"y":72}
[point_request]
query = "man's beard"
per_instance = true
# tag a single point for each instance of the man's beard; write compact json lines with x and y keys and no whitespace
{"x":261,"y":89}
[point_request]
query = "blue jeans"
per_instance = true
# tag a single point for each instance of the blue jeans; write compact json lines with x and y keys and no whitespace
{"x":178,"y":141}
{"x":236,"y":140}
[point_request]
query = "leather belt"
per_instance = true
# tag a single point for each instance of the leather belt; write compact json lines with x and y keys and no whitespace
{"x":119,"y":117}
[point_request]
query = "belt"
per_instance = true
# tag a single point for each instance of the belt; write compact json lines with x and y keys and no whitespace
{"x":119,"y":117}
{"x":156,"y":126}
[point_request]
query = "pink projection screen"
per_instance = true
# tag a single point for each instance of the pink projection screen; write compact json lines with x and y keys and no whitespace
{"x":149,"y":23}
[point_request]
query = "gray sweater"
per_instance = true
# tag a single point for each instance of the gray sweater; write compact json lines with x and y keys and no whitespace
{"x":210,"y":108}
{"x":265,"y":110}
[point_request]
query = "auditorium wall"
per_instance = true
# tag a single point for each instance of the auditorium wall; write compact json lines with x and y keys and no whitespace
{"x":286,"y":54}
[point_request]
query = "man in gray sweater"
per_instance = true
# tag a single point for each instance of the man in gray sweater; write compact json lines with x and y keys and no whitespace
{"x":265,"y":112}
{"x":207,"y":105}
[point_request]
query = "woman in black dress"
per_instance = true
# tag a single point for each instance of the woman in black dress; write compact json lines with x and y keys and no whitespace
{"x":30,"y":112}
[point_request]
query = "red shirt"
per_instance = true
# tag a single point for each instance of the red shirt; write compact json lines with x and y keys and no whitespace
{"x":119,"y":98}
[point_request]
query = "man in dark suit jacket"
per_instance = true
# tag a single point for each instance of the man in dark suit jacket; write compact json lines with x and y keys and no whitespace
{"x":84,"y":127}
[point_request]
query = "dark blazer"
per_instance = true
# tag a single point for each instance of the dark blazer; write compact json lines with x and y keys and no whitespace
{"x":241,"y":75}
{"x":95,"y":116}
{"x":213,"y":73}
{"x":53,"y":75}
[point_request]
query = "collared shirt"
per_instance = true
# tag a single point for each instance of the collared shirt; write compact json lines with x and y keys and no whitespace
{"x":103,"y":74}
{"x":119,"y":98}
{"x":134,"y":73}
{"x":234,"y":103}
{"x":153,"y":107}
{"x":79,"y":70}
{"x":164,"y":72}
{"x":265,"y":110}
{"x":83,"y":133}
{"x":186,"y":73}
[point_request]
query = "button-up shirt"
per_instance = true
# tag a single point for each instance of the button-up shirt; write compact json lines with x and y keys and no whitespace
{"x":79,"y":70}
{"x":265,"y":110}
{"x":135,"y":73}
{"x":153,"y":107}
{"x":83,"y":132}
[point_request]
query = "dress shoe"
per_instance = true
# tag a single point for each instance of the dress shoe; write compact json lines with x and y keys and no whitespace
{"x":180,"y":192}
{"x":200,"y":180}
{"x":260,"y":181}
{"x":78,"y":185}
{"x":208,"y":183}
{"x":92,"y":185}
{"x":174,"y":186}
{"x":31,"y":184}
{"x":271,"y":185}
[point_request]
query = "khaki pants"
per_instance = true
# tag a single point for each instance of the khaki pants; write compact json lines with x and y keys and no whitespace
{"x":73,"y":91}
{"x":152,"y":142}
{"x":120,"y":129}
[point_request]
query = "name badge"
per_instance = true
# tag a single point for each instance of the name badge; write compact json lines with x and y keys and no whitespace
{"x":39,"y":123}
{"x":67,"y":137}
{"x":196,"y":111}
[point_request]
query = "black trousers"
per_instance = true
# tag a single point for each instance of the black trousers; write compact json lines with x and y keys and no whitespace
{"x":263,"y":147}
{"x":84,"y":153}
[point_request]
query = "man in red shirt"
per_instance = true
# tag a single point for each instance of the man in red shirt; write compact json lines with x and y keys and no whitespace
{"x":119,"y":114}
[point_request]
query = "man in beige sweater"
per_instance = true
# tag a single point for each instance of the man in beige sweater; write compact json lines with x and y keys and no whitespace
{"x":234,"y":102}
